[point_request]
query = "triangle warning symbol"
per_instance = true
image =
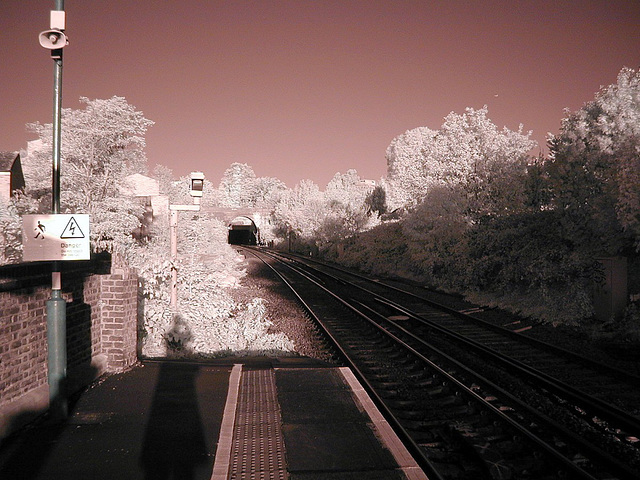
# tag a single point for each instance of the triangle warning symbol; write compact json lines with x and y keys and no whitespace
{"x":72,"y":230}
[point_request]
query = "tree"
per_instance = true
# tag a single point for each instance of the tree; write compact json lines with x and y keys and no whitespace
{"x":266,"y":191}
{"x":407,"y":168}
{"x":178,"y":191}
{"x":164,"y":176}
{"x":345,"y":209}
{"x":468,"y":151}
{"x":434,"y":233}
{"x":347,"y":188}
{"x":376,"y":201}
{"x":10,"y":232}
{"x":536,"y":185}
{"x":595,"y":166}
{"x":340,"y":222}
{"x":101,"y":145}
{"x":237,"y":186}
{"x":300,"y":210}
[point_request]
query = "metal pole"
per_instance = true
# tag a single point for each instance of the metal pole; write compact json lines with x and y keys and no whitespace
{"x":174,"y":257}
{"x":57,"y":134}
{"x":173,"y":227}
{"x":56,"y":306}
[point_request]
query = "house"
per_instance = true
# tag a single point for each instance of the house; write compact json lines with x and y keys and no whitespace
{"x":148,"y":191}
{"x":138,"y":185}
{"x":11,"y":177}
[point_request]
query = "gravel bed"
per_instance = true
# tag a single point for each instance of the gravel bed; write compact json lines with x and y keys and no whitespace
{"x":582,"y":339}
{"x":289,"y":318}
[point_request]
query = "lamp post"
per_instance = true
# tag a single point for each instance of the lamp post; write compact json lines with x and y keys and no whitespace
{"x":196,"y":187}
{"x":55,"y":40}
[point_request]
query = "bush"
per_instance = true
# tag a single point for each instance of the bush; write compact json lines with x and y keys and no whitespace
{"x":208,"y":322}
{"x":524,"y":263}
{"x":379,"y":251}
{"x":10,"y":233}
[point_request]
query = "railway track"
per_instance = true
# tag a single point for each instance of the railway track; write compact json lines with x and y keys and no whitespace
{"x":470,"y":399}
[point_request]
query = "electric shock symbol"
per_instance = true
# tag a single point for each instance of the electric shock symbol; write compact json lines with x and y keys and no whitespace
{"x":72,"y":230}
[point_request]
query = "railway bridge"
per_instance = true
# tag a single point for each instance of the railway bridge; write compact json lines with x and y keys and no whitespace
{"x":245,"y":224}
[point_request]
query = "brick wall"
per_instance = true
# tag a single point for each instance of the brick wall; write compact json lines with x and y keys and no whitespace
{"x":23,"y":343}
{"x":119,"y":332}
{"x":101,"y":330}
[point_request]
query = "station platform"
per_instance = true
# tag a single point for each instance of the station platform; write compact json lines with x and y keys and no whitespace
{"x":245,"y":419}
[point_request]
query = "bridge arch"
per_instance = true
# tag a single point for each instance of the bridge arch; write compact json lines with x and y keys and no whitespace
{"x":243,"y":231}
{"x":260,"y":217}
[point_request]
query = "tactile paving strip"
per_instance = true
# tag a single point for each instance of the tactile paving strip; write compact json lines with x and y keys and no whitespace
{"x":258,"y":443}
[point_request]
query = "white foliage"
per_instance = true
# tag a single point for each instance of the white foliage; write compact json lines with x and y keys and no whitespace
{"x":101,"y":145}
{"x":301,"y":209}
{"x":237,"y":186}
{"x":10,"y":233}
{"x":207,"y":322}
{"x":468,"y":151}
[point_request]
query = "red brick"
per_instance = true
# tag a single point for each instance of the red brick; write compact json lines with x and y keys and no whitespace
{"x":111,"y":300}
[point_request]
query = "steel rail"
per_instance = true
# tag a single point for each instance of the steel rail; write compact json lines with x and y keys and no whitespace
{"x":613,"y":462}
{"x":413,"y":447}
{"x":598,"y":407}
{"x":562,"y":459}
{"x":628,"y":377}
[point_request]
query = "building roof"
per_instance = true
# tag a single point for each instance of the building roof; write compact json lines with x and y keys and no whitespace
{"x":6,"y":160}
{"x":140,"y":186}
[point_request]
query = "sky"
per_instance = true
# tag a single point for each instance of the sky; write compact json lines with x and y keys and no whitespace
{"x":302,"y":89}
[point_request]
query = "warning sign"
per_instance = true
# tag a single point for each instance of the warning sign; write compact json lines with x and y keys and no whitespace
{"x":55,"y":237}
{"x":72,"y":230}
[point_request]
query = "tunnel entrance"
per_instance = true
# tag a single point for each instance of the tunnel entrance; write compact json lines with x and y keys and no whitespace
{"x":243,"y":231}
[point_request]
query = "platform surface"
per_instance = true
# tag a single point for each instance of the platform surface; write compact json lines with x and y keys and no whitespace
{"x":166,"y":420}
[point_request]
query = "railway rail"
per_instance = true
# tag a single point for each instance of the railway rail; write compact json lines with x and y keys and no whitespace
{"x":470,"y":399}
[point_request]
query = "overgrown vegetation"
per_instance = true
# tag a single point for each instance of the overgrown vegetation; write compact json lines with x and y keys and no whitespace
{"x":523,"y":235}
{"x":102,"y":145}
{"x":464,"y":209}
{"x":208,"y":321}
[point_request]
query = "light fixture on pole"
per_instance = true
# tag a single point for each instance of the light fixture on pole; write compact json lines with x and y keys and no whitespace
{"x":55,"y":40}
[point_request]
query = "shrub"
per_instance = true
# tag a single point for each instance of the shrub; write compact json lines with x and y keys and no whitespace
{"x":10,"y":233}
{"x":208,"y":322}
{"x":525,"y":263}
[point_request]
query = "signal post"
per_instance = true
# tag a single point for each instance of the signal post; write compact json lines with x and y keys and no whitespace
{"x":195,"y":190}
